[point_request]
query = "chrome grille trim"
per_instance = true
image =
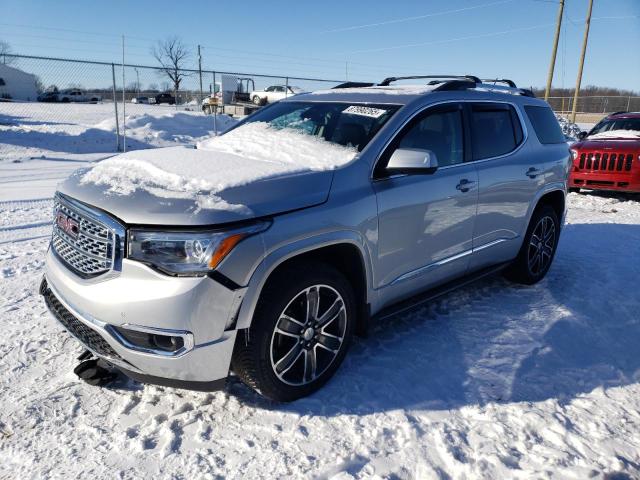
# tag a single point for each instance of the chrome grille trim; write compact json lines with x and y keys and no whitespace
{"x":96,"y":253}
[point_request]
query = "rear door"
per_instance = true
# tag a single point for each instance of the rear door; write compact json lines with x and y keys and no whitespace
{"x":425,"y":221}
{"x":509,"y":178}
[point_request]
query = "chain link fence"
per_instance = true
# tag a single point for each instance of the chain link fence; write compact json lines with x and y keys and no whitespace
{"x":600,"y":104}
{"x":78,"y":105}
{"x":42,"y":96}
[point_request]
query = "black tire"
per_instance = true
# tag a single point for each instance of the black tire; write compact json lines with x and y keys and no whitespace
{"x":65,"y":100}
{"x":542,"y":236}
{"x":256,"y":354}
{"x":257,"y":100}
{"x":574,"y":189}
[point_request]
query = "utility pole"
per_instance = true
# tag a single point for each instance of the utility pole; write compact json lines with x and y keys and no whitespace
{"x":200,"y":71}
{"x":137,"y":80}
{"x":124,"y":106}
{"x":552,"y":65}
{"x":584,"y":51}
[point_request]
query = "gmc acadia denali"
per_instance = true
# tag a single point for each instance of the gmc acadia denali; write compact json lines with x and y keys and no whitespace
{"x":449,"y":180}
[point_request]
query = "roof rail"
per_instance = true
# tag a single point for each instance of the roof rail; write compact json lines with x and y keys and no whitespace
{"x":617,"y":113}
{"x":468,"y":78}
{"x":506,"y":81}
{"x":354,"y":85}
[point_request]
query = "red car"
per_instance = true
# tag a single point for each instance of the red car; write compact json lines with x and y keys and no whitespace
{"x":608,"y":157}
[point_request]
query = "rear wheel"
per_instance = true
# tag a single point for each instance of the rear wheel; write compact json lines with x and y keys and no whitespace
{"x":538,"y":249}
{"x":256,"y":100}
{"x":300,"y":332}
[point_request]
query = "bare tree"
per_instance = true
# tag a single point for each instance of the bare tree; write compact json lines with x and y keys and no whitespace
{"x":172,"y":55}
{"x":5,"y":49}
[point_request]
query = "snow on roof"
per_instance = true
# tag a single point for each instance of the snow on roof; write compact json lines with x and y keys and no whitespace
{"x":624,"y":134}
{"x":251,"y":152}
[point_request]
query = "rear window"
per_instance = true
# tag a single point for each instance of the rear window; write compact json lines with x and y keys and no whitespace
{"x":545,"y":124}
{"x":495,"y":130}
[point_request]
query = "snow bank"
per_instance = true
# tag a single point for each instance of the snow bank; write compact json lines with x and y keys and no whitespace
{"x":625,"y":134}
{"x":169,"y":128}
{"x":249,"y":153}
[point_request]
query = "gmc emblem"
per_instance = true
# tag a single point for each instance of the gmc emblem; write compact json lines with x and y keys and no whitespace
{"x":68,"y":225}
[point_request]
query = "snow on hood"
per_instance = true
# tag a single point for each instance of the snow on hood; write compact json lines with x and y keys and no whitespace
{"x":626,"y":134}
{"x":249,"y":153}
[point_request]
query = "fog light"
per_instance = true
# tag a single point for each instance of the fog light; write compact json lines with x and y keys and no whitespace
{"x":149,"y":341}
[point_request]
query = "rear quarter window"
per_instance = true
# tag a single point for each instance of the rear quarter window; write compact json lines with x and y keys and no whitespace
{"x":545,"y":124}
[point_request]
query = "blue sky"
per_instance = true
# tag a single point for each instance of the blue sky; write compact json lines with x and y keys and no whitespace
{"x":364,"y":40}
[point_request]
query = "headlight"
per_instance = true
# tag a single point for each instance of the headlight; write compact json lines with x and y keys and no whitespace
{"x":574,"y":153}
{"x":187,"y":253}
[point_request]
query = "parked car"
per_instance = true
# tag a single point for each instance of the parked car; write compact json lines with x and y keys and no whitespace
{"x":48,"y":97}
{"x":608,"y":156}
{"x":165,"y":98}
{"x":143,"y":99}
{"x":76,"y":95}
{"x":413,"y":190}
{"x":273,"y":93}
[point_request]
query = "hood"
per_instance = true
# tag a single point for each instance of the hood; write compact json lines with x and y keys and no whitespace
{"x":607,"y":144}
{"x":191,"y":187}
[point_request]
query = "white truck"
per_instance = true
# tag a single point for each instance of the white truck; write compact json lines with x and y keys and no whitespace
{"x":76,"y":95}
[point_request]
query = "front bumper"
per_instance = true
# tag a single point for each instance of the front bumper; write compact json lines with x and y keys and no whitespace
{"x":605,"y":181}
{"x":199,"y":307}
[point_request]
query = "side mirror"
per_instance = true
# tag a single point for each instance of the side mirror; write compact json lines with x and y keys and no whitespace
{"x":582,"y":135}
{"x":412,"y":161}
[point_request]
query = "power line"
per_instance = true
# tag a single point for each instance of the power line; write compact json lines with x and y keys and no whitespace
{"x":416,"y":17}
{"x":458,"y":39}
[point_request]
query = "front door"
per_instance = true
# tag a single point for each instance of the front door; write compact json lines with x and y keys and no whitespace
{"x":425,"y":221}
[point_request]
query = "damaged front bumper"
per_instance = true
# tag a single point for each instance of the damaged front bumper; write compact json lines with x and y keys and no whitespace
{"x":198,"y":312}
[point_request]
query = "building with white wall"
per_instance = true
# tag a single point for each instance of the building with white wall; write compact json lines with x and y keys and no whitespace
{"x":16,"y":84}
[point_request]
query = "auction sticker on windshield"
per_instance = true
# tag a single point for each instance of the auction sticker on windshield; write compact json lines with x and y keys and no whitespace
{"x":364,"y":111}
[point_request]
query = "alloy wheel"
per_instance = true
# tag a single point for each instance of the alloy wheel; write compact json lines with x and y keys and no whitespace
{"x":308,"y":335}
{"x":541,"y":245}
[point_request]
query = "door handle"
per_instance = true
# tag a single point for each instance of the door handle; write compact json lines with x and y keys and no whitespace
{"x":465,"y":185}
{"x":532,"y":172}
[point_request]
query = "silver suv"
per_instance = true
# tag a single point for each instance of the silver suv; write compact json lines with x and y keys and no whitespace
{"x":445,"y":181}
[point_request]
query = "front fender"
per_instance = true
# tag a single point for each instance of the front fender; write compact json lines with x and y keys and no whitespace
{"x":286,"y":252}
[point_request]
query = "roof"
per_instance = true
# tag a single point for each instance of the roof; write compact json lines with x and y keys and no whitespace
{"x":624,"y":115}
{"x":394,"y":94}
{"x":7,"y":69}
{"x":403,"y":94}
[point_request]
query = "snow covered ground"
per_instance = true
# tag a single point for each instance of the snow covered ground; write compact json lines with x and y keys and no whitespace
{"x":492,"y":381}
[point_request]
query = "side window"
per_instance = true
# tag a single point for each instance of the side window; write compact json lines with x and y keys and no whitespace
{"x":545,"y":124}
{"x":279,"y":89}
{"x":495,"y":130}
{"x":440,"y":131}
{"x":270,"y":89}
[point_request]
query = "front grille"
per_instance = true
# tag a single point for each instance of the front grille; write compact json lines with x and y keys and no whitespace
{"x":605,"y":162}
{"x":86,"y":335}
{"x":91,"y":249}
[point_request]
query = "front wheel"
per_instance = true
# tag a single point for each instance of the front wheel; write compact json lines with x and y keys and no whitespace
{"x":300,"y":332}
{"x":538,"y":249}
{"x":256,"y":100}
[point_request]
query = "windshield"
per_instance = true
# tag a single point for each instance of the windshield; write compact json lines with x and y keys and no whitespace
{"x":632,"y":124}
{"x":346,"y":124}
